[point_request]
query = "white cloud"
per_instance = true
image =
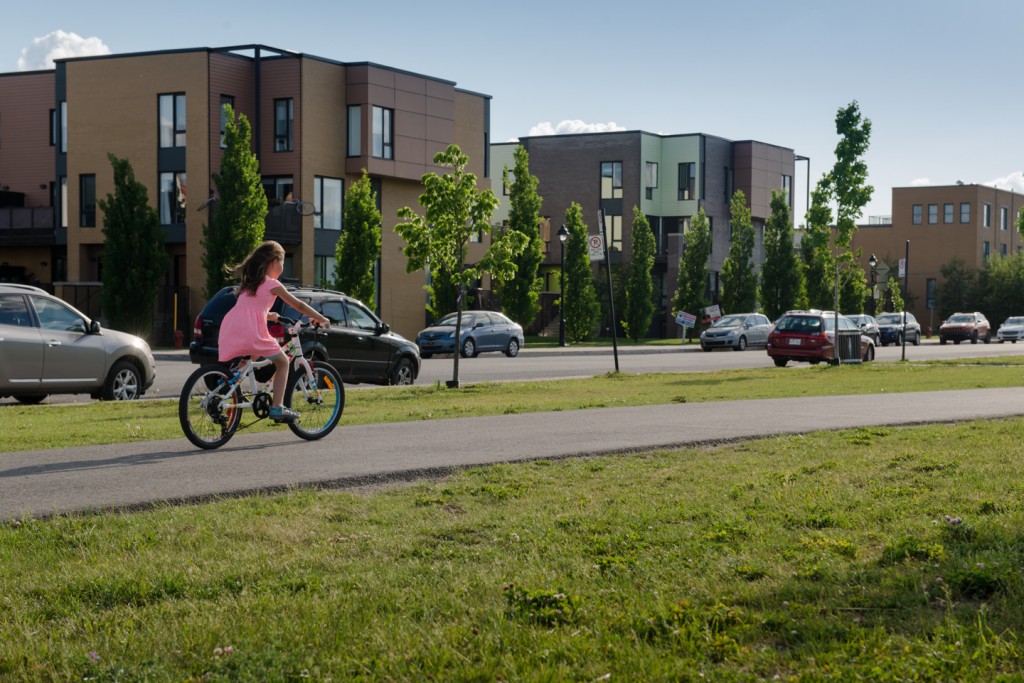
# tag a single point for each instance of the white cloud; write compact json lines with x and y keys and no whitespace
{"x":58,"y":45}
{"x":1014,"y":181}
{"x":568,"y":126}
{"x":920,"y":182}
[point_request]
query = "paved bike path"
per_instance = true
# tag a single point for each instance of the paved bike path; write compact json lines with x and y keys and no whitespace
{"x":39,"y":483}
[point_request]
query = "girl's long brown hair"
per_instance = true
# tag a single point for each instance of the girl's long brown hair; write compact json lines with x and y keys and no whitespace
{"x":253,"y":269}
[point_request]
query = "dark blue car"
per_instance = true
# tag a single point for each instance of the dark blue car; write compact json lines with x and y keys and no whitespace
{"x":480,"y":331}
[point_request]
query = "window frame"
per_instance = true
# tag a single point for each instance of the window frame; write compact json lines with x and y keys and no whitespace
{"x":174,"y":135}
{"x":318,"y":203}
{"x":383,"y":133}
{"x":172,"y":210}
{"x":354,"y":130}
{"x":933,"y":214}
{"x":86,"y":211}
{"x":687,"y":191}
{"x":916,"y":214}
{"x":284,"y":128}
{"x":613,"y":171}
{"x":947,"y":213}
{"x":986,"y":215}
{"x":965,"y":213}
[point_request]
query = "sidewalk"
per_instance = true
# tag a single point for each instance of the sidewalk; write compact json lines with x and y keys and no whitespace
{"x":136,"y":474}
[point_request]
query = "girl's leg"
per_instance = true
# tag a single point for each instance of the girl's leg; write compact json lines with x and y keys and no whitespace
{"x":280,"y":377}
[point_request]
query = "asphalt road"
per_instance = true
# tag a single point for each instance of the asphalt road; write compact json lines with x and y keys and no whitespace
{"x":40,"y":483}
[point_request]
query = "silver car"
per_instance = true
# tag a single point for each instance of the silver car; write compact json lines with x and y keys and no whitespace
{"x":49,"y":347}
{"x":1011,"y":330}
{"x":737,"y":331}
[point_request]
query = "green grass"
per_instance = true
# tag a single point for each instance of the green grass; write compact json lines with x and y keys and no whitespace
{"x":877,"y":554}
{"x":60,"y":426}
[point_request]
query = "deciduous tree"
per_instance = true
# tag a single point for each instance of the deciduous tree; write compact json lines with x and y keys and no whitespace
{"x":134,"y":257}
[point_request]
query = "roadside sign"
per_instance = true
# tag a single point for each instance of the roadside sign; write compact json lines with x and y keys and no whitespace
{"x":712,"y":313}
{"x":595,"y":243}
{"x":686,"y":319}
{"x":903,"y":267}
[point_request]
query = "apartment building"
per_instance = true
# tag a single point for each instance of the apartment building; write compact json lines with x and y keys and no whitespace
{"x":669,"y":177}
{"x":317,"y":123}
{"x":972,"y":222}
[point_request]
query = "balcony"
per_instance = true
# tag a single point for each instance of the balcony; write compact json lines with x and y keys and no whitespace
{"x":23,"y":226}
{"x":283,"y":224}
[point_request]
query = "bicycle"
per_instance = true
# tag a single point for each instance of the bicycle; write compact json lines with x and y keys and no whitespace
{"x":302,"y":208}
{"x":215,"y":396}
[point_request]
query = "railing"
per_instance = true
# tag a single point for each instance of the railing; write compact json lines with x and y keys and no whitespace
{"x":283,"y":224}
{"x":27,"y":226}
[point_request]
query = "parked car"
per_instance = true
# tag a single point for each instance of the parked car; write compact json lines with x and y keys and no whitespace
{"x":480,"y":331}
{"x":868,"y":326}
{"x":962,"y":326}
{"x":1011,"y":330}
{"x":809,"y":336}
{"x":49,"y":347}
{"x":358,"y":344}
{"x":890,"y":329}
{"x":736,"y":331}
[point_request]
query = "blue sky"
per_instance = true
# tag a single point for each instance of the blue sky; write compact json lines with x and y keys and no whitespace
{"x":936,"y":77}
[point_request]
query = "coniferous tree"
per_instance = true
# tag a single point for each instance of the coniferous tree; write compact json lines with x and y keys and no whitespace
{"x":134,"y":258}
{"x":453,"y":211}
{"x":782,"y":278}
{"x":578,"y":294}
{"x":358,"y":248}
{"x":519,"y":294}
{"x":739,"y":281}
{"x":238,"y":216}
{"x":639,"y":309}
{"x":693,"y":270}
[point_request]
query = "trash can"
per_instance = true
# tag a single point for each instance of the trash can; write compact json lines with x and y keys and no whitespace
{"x":848,"y":346}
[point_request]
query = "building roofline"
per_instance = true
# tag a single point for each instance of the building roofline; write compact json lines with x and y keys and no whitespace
{"x":657,"y":135}
{"x":33,"y":72}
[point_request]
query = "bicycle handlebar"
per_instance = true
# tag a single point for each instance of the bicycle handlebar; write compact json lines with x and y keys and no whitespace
{"x":299,"y":325}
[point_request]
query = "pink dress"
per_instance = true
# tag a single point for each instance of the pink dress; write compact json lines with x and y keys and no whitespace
{"x":244,"y":329}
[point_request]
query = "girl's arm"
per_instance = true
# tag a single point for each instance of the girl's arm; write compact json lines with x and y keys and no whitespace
{"x":302,"y":306}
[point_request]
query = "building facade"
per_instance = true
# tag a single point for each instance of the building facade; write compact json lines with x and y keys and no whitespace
{"x":669,"y":177}
{"x":972,"y":222}
{"x":316,"y":124}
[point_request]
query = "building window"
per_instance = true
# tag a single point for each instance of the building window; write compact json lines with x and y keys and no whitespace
{"x":225,"y":100}
{"x":87,"y":200}
{"x":383,"y":133}
{"x":172,"y":120}
{"x":611,"y":180}
{"x":1004,"y":218}
{"x":787,"y":188}
{"x":1002,"y":249}
{"x":986,"y":250}
{"x":916,"y":209}
{"x":172,"y":198}
{"x":929,"y":293}
{"x":650,"y":179}
{"x":327,"y":202}
{"x":284,"y":116}
{"x":728,"y":183}
{"x":323,"y":271}
{"x":53,"y":127}
{"x":685,"y":222}
{"x":933,"y":214}
{"x":965,"y":212}
{"x":613,"y":228}
{"x":947,"y":213}
{"x":986,"y":220}
{"x":355,"y":130}
{"x":278,"y":189}
{"x":64,"y":127}
{"x":687,"y":181}
{"x":64,"y":201}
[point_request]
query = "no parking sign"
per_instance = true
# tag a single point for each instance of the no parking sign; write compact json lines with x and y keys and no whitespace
{"x":595,"y":243}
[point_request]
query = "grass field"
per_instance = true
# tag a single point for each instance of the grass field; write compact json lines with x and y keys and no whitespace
{"x":878,"y":554}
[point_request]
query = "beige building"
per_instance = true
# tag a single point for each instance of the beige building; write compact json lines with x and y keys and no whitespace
{"x":973,"y":222}
{"x":317,"y":123}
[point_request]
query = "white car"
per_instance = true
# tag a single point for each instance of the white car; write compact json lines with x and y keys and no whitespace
{"x":1011,"y":330}
{"x":737,"y":331}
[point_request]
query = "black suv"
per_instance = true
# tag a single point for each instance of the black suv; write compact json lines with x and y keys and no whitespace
{"x":358,"y":344}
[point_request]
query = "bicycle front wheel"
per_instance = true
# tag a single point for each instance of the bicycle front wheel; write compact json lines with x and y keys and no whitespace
{"x":319,"y":402}
{"x":207,"y":409}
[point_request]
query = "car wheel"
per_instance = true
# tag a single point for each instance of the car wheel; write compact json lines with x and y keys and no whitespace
{"x":705,"y":348}
{"x":741,"y":344}
{"x":869,"y":353}
{"x":425,"y":355}
{"x":988,"y":337}
{"x":780,"y":362}
{"x":402,"y":374}
{"x":942,"y":340}
{"x":974,"y":337}
{"x":469,"y":349}
{"x":124,"y":383}
{"x":31,"y":399}
{"x":899,"y":340}
{"x":513,"y":348}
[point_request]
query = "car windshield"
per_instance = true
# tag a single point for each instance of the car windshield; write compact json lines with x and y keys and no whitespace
{"x":860,"y":319}
{"x":730,"y":321}
{"x":961,"y":319}
{"x":890,"y":319}
{"x":449,"y":320}
{"x":800,"y":324}
{"x":1014,"y":321}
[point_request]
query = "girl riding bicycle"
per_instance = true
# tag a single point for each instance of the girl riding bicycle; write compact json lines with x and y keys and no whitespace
{"x":244,"y":329}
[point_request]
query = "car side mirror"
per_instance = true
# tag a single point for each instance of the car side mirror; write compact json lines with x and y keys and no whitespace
{"x":94,"y":327}
{"x":383,"y":328}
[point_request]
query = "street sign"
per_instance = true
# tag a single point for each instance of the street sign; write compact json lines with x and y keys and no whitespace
{"x":712,"y":312}
{"x":686,"y":319}
{"x":903,"y":267}
{"x":595,"y":243}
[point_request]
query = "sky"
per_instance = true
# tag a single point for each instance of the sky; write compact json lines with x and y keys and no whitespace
{"x":936,"y":78}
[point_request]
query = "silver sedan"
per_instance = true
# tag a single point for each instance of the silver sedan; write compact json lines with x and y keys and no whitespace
{"x":737,"y":331}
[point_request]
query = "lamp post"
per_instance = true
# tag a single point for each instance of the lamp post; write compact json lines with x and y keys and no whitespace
{"x":872,"y":262}
{"x":563,"y":235}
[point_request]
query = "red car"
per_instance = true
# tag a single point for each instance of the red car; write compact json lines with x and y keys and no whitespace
{"x":809,"y":336}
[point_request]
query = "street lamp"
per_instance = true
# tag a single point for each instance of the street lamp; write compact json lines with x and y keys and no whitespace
{"x":872,"y":262}
{"x":563,"y":235}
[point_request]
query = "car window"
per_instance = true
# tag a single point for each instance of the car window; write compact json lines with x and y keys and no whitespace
{"x":800,"y":324}
{"x":55,"y":316}
{"x":961,"y":319}
{"x":847,"y":324}
{"x":334,"y":311}
{"x":14,"y":310}
{"x":889,"y":319}
{"x":359,"y":318}
{"x":729,"y":321}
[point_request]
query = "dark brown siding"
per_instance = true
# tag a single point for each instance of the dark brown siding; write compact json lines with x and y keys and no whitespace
{"x":27,"y":161}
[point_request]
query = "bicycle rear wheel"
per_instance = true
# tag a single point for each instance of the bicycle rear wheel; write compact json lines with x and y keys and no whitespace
{"x":209,"y":415}
{"x":320,"y":402}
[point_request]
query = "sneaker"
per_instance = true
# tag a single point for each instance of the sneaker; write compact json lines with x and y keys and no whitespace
{"x":282,"y":414}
